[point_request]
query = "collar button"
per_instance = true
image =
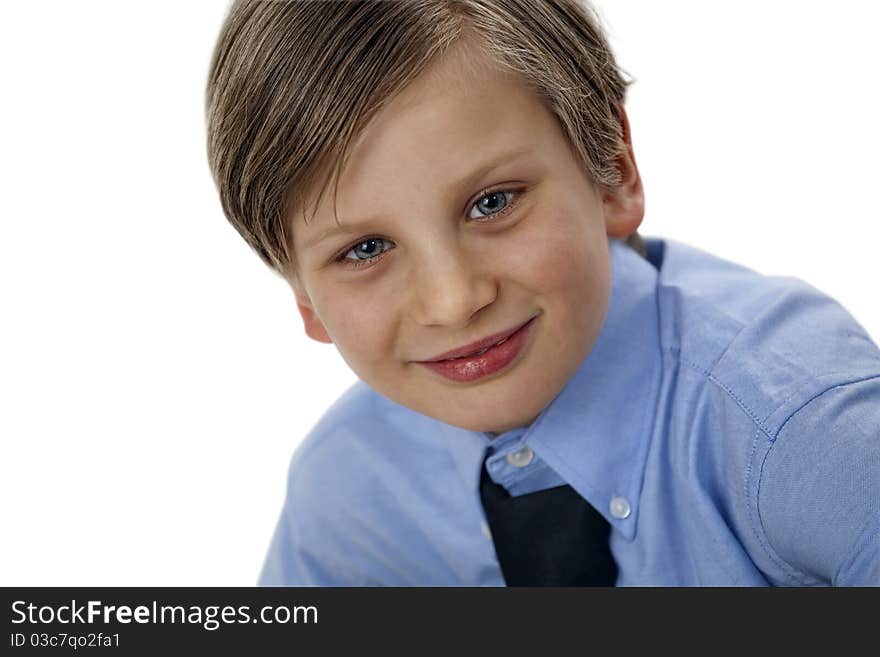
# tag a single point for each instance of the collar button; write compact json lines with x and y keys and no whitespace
{"x":619,"y":507}
{"x":521,"y":458}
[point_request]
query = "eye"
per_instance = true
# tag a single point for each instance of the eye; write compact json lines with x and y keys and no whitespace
{"x":493,"y":203}
{"x":364,"y":252}
{"x":490,"y":205}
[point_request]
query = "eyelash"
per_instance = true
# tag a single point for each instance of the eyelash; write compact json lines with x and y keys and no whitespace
{"x":360,"y":264}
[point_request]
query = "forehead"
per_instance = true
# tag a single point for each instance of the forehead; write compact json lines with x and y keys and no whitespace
{"x":457,"y":107}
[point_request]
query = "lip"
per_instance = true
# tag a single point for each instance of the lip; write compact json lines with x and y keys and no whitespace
{"x":479,"y":345}
{"x":471,"y":367}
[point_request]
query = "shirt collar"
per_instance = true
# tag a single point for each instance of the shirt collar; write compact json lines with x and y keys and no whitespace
{"x":595,"y":434}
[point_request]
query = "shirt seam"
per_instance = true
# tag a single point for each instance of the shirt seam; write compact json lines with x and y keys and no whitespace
{"x":795,"y":574}
{"x":819,"y":394}
{"x":676,"y":351}
{"x":808,"y":577}
{"x":756,"y":522}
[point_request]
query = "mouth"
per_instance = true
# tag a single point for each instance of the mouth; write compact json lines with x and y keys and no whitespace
{"x":479,"y":347}
{"x":500,"y":355}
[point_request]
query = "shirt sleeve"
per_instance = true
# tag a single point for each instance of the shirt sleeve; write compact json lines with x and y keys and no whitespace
{"x":819,"y":495}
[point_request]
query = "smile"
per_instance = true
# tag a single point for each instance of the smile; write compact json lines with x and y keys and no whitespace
{"x":501,"y":352}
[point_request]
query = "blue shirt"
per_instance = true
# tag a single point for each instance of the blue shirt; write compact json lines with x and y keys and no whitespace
{"x":726,"y":423}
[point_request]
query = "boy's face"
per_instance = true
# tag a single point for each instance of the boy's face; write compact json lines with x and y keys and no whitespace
{"x":452,"y":264}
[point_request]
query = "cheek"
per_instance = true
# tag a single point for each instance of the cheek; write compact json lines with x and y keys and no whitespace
{"x":567,"y":268}
{"x":560,"y":251}
{"x":361,"y":327}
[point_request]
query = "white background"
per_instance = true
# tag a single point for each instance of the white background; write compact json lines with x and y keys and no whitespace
{"x":154,"y":376}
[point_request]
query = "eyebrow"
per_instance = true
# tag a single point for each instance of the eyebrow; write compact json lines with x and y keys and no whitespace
{"x":466,"y":181}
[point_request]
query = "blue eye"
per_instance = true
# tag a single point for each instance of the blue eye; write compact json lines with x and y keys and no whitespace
{"x":492,"y":203}
{"x":368,"y":249}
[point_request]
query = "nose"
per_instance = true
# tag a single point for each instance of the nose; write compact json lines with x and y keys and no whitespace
{"x":450,"y":286}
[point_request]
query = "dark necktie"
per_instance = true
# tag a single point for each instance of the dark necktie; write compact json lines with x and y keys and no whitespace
{"x":552,"y":537}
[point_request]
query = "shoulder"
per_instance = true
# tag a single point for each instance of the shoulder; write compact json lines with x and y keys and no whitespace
{"x":770,"y":342}
{"x":347,"y":449}
{"x":806,"y":374}
{"x":350,"y":488}
{"x":357,"y":406}
{"x":307,"y":548}
{"x":360,"y":435}
{"x":342,"y":489}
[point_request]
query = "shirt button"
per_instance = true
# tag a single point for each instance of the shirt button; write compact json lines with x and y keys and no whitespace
{"x":521,"y":457}
{"x":619,"y":507}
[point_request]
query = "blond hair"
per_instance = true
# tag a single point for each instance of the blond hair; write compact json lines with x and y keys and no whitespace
{"x":291,"y":83}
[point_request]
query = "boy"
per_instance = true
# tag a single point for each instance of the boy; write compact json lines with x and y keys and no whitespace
{"x":477,"y":264}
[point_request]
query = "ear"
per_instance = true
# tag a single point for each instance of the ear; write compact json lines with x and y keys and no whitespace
{"x":313,"y":325}
{"x":625,"y":206}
